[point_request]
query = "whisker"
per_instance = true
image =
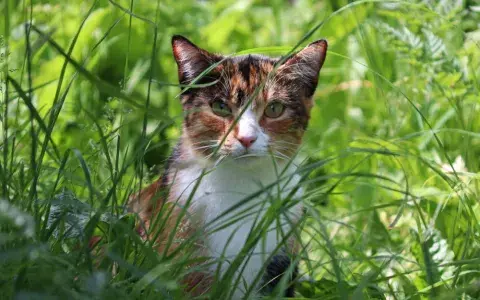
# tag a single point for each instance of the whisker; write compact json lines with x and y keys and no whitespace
{"x":219,"y":160}
{"x":282,"y":147}
{"x":203,"y":147}
{"x":284,"y":142}
{"x":204,"y":142}
{"x":248,"y":155}
{"x":282,"y":155}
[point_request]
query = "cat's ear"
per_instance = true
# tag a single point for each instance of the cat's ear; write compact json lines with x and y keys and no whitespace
{"x":191,"y":60}
{"x":305,"y":65}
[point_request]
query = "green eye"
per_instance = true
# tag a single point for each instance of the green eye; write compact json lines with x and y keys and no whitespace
{"x":274,"y":109}
{"x":221,"y":109}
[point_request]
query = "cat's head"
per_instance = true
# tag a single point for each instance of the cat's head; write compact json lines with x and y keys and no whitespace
{"x":247,"y":105}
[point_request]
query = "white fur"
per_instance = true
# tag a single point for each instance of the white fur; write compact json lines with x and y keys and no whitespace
{"x":248,"y":127}
{"x":225,"y":185}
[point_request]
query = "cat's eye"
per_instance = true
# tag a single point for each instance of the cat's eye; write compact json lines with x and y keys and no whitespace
{"x":274,"y":109}
{"x":221,"y":109}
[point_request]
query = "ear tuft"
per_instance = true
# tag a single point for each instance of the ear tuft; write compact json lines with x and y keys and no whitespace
{"x":191,"y":60}
{"x":312,"y":55}
{"x":181,"y":46}
{"x":304,"y":66}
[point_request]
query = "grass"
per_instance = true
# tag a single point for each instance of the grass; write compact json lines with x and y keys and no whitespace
{"x":90,"y":111}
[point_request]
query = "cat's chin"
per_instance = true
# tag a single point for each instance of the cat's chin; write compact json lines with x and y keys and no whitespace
{"x":250,"y":160}
{"x":247,"y":161}
{"x":242,"y":160}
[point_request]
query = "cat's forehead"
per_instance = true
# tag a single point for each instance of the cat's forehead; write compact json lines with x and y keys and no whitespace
{"x":252,"y":64}
{"x":245,"y":74}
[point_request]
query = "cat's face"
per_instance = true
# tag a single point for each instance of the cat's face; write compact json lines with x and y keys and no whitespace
{"x":246,"y":105}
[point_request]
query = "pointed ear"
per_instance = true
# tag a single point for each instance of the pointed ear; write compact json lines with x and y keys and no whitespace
{"x":305,"y":65}
{"x":191,"y":60}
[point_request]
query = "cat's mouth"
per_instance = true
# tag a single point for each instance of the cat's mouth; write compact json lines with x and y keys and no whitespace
{"x":243,"y":159}
{"x":241,"y":154}
{"x":248,"y":155}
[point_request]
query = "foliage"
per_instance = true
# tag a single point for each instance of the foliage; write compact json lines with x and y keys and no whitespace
{"x":89,"y":113}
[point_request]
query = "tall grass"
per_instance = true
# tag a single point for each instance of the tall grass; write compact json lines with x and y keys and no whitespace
{"x":90,"y":111}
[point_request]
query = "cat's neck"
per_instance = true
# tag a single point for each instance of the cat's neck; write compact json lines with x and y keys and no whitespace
{"x":212,"y":188}
{"x":243,"y":175}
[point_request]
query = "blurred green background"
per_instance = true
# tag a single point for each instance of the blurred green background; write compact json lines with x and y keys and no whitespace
{"x":396,"y":109}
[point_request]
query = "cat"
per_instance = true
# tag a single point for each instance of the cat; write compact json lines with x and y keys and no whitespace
{"x":244,"y":119}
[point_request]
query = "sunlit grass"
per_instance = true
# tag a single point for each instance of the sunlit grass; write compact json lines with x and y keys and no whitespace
{"x":90,"y":111}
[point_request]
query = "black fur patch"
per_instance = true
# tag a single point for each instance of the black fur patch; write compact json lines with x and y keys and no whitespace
{"x":240,"y":96}
{"x":274,"y":272}
{"x":244,"y":67}
{"x":168,"y":164}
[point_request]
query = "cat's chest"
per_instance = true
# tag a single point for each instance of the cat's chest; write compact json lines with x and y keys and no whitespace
{"x":236,"y":205}
{"x":227,"y":181}
{"x":231,"y":191}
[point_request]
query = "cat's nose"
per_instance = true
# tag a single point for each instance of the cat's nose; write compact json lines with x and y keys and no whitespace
{"x":247,"y":141}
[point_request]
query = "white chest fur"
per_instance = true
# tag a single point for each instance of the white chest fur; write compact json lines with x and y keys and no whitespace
{"x":237,"y":183}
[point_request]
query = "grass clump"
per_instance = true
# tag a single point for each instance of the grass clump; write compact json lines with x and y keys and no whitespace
{"x":89,"y":113}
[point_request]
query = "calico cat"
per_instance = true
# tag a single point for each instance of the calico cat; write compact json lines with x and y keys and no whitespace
{"x":244,"y":118}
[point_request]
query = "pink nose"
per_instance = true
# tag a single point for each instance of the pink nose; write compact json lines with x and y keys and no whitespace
{"x":247,"y":141}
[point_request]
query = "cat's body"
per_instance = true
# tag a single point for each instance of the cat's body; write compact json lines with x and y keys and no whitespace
{"x":223,"y":187}
{"x":231,"y":168}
